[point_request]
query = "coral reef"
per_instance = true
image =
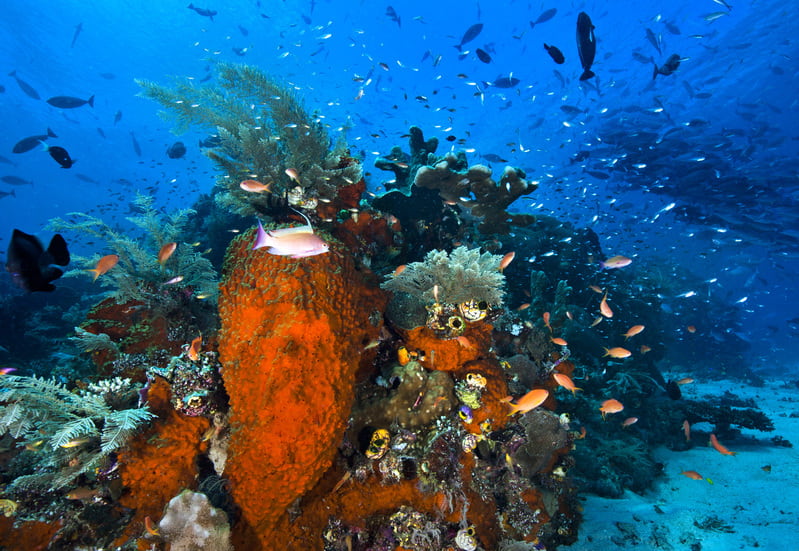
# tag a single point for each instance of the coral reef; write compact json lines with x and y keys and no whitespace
{"x":139,"y":275}
{"x":456,"y":183}
{"x":190,"y":523}
{"x":291,"y":344}
{"x":462,"y":276}
{"x":65,"y":434}
{"x":259,"y":142}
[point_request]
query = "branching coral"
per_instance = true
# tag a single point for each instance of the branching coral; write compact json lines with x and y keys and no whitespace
{"x":461,"y":276}
{"x":139,"y":276}
{"x":263,"y":130}
{"x":74,"y":432}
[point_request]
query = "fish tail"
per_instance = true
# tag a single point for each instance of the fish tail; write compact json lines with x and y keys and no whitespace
{"x":90,"y":101}
{"x":45,"y":147}
{"x":458,"y":47}
{"x":191,"y":6}
{"x":655,"y":72}
{"x":51,"y":133}
{"x":96,"y":273}
{"x":588,"y":73}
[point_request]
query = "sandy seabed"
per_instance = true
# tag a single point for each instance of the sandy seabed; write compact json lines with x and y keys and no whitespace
{"x":752,"y":502}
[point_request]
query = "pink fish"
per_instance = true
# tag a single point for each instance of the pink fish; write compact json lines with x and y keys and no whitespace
{"x":297,"y":242}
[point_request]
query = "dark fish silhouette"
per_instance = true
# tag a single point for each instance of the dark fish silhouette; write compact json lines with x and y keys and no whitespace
{"x":25,"y":87}
{"x":555,"y":54}
{"x":470,"y":34}
{"x":203,"y":11}
{"x":135,"y":143}
{"x":117,"y":117}
{"x":26,"y":144}
{"x":16,"y":181}
{"x":394,"y":16}
{"x":483,"y":55}
{"x":586,"y":44}
{"x":68,"y":102}
{"x":13,"y":193}
{"x":653,"y":39}
{"x":30,"y":266}
{"x":59,"y":155}
{"x":671,"y":65}
{"x":503,"y":82}
{"x":546,"y":16}
{"x":176,"y":150}
{"x":78,"y":29}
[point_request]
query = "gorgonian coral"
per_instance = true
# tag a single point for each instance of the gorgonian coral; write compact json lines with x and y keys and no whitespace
{"x":461,"y":276}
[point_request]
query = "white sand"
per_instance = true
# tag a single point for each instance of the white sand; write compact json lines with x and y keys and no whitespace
{"x":761,"y":508}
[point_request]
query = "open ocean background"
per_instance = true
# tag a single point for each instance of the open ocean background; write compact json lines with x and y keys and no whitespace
{"x":693,"y":175}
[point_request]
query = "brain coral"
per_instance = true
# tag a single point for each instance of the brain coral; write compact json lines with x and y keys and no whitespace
{"x":293,"y":333}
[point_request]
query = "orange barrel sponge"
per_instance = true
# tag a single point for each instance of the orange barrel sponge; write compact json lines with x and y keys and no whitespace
{"x":292,"y":335}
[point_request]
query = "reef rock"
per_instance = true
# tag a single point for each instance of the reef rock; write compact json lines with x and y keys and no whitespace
{"x":293,"y":334}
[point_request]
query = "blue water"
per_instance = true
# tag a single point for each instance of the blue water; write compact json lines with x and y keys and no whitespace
{"x":737,"y":82}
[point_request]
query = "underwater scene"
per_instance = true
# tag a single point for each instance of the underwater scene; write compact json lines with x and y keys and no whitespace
{"x":382,"y":276}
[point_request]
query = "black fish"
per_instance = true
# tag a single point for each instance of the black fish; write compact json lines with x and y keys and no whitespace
{"x":25,"y":87}
{"x":546,"y":16}
{"x":176,"y":150}
{"x":31,"y":267}
{"x":673,"y":390}
{"x":555,"y":54}
{"x":671,"y":65}
{"x":26,"y":144}
{"x":653,"y":39}
{"x":493,"y":158}
{"x":135,"y":143}
{"x":16,"y":181}
{"x":483,"y":55}
{"x":78,"y":29}
{"x":202,"y":11}
{"x":470,"y":34}
{"x":60,"y":155}
{"x":503,"y":82}
{"x":394,"y":16}
{"x":586,"y":44}
{"x":68,"y":102}
{"x":13,"y":193}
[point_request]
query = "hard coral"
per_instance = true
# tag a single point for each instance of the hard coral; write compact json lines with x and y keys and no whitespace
{"x":291,"y":338}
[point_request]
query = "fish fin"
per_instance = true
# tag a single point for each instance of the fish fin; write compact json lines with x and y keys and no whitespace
{"x":45,"y":147}
{"x":655,"y":72}
{"x":261,"y":237}
{"x":51,"y":133}
{"x":90,"y":101}
{"x":58,"y":250}
{"x":588,"y":73}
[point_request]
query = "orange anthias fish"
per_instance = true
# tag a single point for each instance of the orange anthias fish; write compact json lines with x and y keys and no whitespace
{"x":686,"y":428}
{"x":293,"y":174}
{"x":194,"y":349}
{"x":545,"y":317}
{"x":691,"y":329}
{"x":148,"y":525}
{"x":610,"y":406}
{"x":718,"y":447}
{"x":566,"y":382}
{"x":595,"y":289}
{"x":604,"y":309}
{"x":617,"y":352}
{"x":104,"y":264}
{"x":685,"y":381}
{"x":693,"y":475}
{"x":166,"y":251}
{"x":617,"y":261}
{"x":644,"y":349}
{"x":633,"y":331}
{"x":507,"y":259}
{"x":254,"y":186}
{"x":296,"y":242}
{"x":528,"y":402}
{"x":559,"y":341}
{"x":629,"y":421}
